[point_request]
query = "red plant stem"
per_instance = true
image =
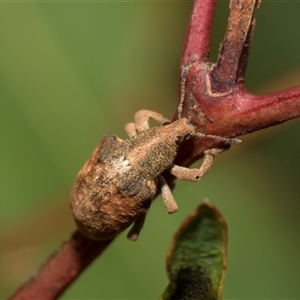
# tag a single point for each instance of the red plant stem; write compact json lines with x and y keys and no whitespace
{"x":61,"y":269}
{"x":231,"y":52}
{"x":241,"y":114}
{"x":197,"y":40}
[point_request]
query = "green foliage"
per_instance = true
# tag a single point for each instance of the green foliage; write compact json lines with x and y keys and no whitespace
{"x":197,"y":257}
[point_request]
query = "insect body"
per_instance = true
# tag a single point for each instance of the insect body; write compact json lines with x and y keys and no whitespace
{"x":116,"y":185}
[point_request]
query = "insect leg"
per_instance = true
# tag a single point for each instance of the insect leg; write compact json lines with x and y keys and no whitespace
{"x":209,"y":156}
{"x":196,"y":174}
{"x":167,"y":196}
{"x":130,"y":129}
{"x":135,"y":230}
{"x":142,"y":119}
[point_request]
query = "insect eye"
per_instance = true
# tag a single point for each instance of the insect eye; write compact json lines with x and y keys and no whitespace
{"x":178,"y":140}
{"x":166,"y":123}
{"x":187,"y":136}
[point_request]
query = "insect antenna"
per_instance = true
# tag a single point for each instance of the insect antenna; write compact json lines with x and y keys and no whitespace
{"x":184,"y":74}
{"x":220,"y":138}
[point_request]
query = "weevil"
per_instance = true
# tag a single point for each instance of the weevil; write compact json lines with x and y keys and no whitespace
{"x":116,"y":186}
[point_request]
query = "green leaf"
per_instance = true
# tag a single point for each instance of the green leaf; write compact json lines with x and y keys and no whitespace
{"x":197,"y":258}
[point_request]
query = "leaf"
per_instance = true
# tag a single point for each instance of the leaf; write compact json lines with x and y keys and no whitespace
{"x":197,"y":257}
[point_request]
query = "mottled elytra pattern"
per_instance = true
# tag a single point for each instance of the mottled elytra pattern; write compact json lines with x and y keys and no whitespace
{"x":116,"y":185}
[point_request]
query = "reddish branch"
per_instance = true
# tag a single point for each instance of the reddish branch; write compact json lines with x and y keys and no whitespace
{"x":216,"y":101}
{"x":62,"y":268}
{"x":197,"y":41}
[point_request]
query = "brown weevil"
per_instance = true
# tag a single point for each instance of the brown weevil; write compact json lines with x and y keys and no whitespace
{"x":116,"y":186}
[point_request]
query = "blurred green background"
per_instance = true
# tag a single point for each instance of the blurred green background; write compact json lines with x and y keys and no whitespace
{"x":71,"y":72}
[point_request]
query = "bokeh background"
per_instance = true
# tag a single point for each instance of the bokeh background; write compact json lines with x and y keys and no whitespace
{"x":71,"y":72}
